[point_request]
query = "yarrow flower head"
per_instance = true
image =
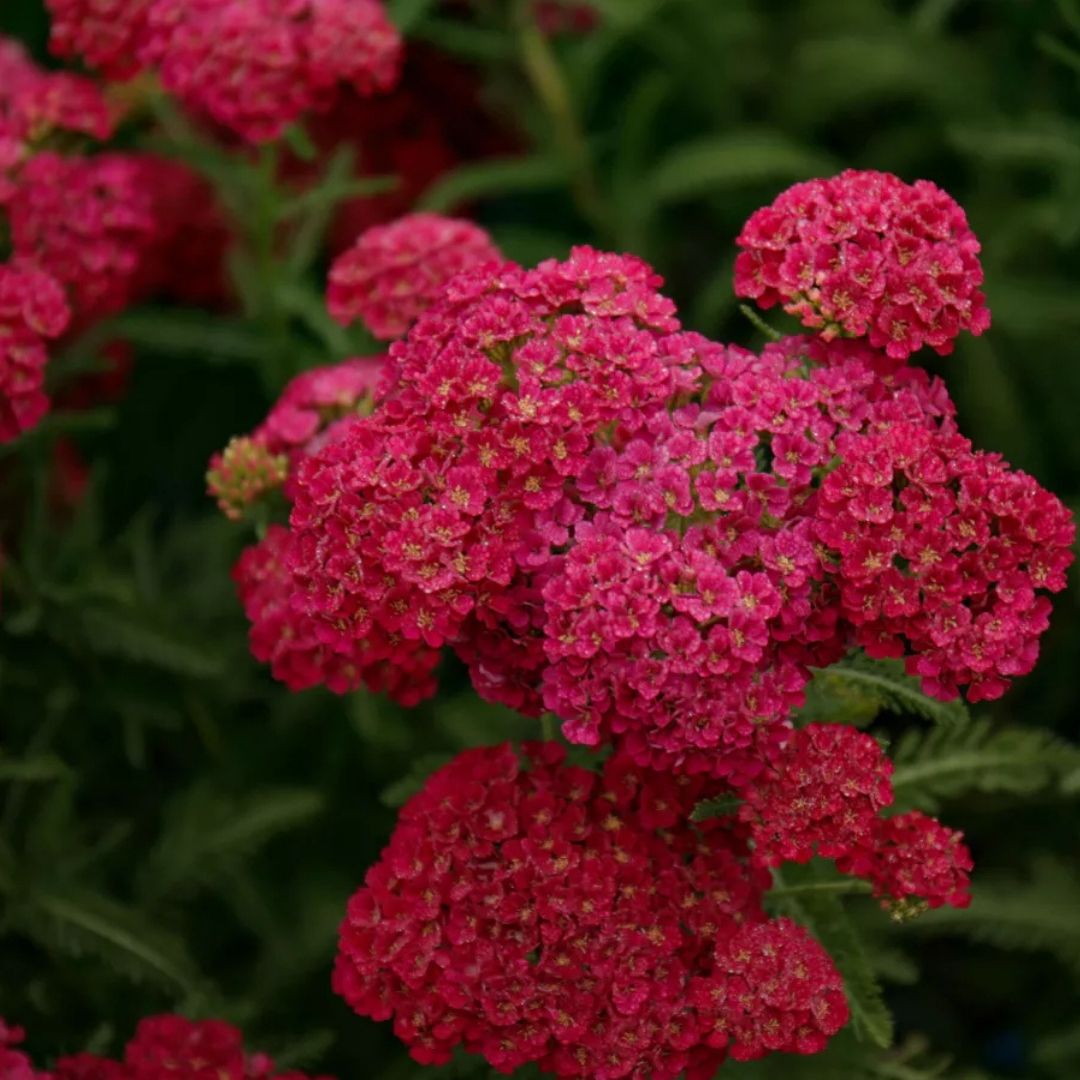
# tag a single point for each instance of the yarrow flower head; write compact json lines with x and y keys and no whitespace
{"x":32,"y":309}
{"x":255,"y":66}
{"x":532,"y":911}
{"x":242,"y":473}
{"x":939,"y":554}
{"x":914,"y":862}
{"x":824,"y":797}
{"x":107,"y":34}
{"x":864,"y":254}
{"x":395,"y":272}
{"x":294,"y":644}
{"x":414,"y":517}
{"x":86,"y":221}
{"x":163,"y":1048}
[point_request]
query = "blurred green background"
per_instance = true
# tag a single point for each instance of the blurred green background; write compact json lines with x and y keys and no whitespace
{"x":183,"y":832}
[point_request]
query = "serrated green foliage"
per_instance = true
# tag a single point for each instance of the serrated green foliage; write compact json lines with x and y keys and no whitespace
{"x":1039,"y":913}
{"x":858,"y":689}
{"x":940,"y":763}
{"x":823,"y":913}
{"x":720,"y":807}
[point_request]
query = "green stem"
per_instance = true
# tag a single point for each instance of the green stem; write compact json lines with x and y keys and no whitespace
{"x":547,"y":727}
{"x":771,"y":333}
{"x":549,"y":84}
{"x":838,"y":887}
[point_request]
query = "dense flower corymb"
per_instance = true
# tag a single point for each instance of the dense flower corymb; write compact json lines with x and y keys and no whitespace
{"x":863,"y":254}
{"x":394,"y":273}
{"x":939,"y":553}
{"x":543,"y":913}
{"x":163,"y":1048}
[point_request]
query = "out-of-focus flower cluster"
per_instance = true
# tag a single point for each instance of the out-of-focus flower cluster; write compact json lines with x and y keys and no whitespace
{"x":163,"y":1048}
{"x":253,"y":66}
{"x":90,"y":233}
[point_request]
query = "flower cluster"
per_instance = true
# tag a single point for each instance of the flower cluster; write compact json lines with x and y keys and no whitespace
{"x":253,"y":66}
{"x":394,"y":273}
{"x":825,"y":796}
{"x":539,"y":912}
{"x":938,"y":553}
{"x":645,"y":533}
{"x":163,"y":1048}
{"x":89,"y":233}
{"x":865,"y":255}
{"x":32,"y":310}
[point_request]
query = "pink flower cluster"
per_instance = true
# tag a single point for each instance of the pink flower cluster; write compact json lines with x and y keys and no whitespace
{"x":163,"y":1048}
{"x":648,"y":534}
{"x":395,"y":272}
{"x":543,"y":913}
{"x":89,"y":234}
{"x":938,"y":552}
{"x":865,"y":255}
{"x":253,"y":66}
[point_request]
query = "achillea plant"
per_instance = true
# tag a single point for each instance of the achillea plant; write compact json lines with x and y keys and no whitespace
{"x":620,"y":599}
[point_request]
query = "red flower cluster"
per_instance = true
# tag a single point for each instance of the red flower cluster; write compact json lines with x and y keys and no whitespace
{"x":394,"y":273}
{"x":939,"y":551}
{"x":548,"y":914}
{"x":865,"y":255}
{"x":913,"y":862}
{"x":824,"y":796}
{"x":163,"y":1048}
{"x":254,"y":66}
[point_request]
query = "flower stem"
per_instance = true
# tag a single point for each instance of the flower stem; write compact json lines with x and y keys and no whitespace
{"x":770,"y":332}
{"x":549,"y":84}
{"x":547,"y":727}
{"x":840,"y":887}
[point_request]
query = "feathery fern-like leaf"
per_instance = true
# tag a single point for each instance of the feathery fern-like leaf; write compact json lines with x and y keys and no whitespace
{"x":857,"y":689}
{"x":1040,"y":914}
{"x":86,"y":924}
{"x":976,"y":755}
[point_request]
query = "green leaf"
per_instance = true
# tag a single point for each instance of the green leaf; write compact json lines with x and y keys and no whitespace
{"x":406,"y":15}
{"x":857,"y":689}
{"x":182,"y":333}
{"x":720,"y":162}
{"x":719,"y":807}
{"x":33,"y":769}
{"x":824,"y":915}
{"x":207,"y":833}
{"x":86,"y":924}
{"x":115,"y":632}
{"x":977,"y":755}
{"x":493,"y":178}
{"x":1039,"y":914}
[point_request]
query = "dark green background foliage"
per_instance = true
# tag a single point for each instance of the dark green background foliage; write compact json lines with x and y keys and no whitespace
{"x":176,"y":831}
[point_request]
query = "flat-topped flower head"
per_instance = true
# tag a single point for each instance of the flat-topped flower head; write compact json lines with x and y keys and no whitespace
{"x":535,"y":912}
{"x":88,"y":222}
{"x":106,"y":34}
{"x":865,"y":255}
{"x":942,"y":555}
{"x":393,"y":273}
{"x":255,"y":66}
